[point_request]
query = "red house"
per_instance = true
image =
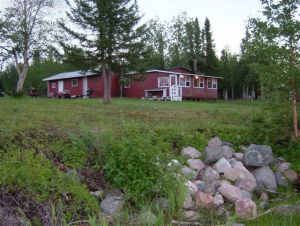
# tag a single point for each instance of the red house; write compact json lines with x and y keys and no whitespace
{"x":173,"y":84}
{"x":80,"y":84}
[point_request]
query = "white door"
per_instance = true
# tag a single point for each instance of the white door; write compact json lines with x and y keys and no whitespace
{"x":60,"y":86}
{"x":175,"y":90}
{"x":85,"y":86}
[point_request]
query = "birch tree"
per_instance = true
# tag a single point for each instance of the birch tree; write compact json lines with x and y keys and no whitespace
{"x":23,"y":28}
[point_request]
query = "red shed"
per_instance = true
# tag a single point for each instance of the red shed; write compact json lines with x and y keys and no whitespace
{"x":174,"y":84}
{"x":80,"y":84}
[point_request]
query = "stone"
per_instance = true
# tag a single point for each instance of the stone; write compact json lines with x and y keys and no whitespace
{"x":212,"y":187}
{"x":246,"y":184}
{"x":8,"y":217}
{"x":230,"y":192}
{"x":213,"y":154}
{"x":190,"y":152}
{"x":265,"y":176}
{"x":218,"y":200}
{"x":191,"y":216}
{"x":228,"y":144}
{"x":291,"y":175}
{"x":196,"y":164}
{"x":97,"y":194}
{"x":174,"y":164}
{"x":232,"y":161}
{"x":204,"y":200}
{"x":112,"y":205}
{"x":281,"y":180}
{"x":238,"y":156}
{"x":245,"y":208}
{"x":285,"y":210}
{"x":281,"y":167}
{"x":147,"y":218}
{"x":246,"y":194}
{"x":214,"y":142}
{"x":210,"y":174}
{"x":221,"y":165}
{"x":188,"y":201}
{"x":188,"y":172}
{"x":264,"y":197}
{"x":263,"y":205}
{"x":200,"y":185}
{"x":162,"y":203}
{"x":258,"y":155}
{"x":191,"y":187}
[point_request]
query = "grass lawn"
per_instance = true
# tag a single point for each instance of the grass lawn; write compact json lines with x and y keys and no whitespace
{"x":42,"y":126}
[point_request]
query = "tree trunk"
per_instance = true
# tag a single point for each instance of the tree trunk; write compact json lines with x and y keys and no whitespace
{"x":232,"y":93}
{"x":295,"y":114}
{"x":106,"y":83}
{"x":225,"y":94}
{"x":195,"y":65}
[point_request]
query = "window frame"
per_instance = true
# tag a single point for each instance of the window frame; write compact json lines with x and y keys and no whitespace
{"x":186,"y":78}
{"x":200,"y":81}
{"x":74,"y":85}
{"x":214,"y":83}
{"x":53,"y":85}
{"x":159,"y":82}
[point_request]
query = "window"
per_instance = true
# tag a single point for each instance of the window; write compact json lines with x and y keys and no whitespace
{"x":127,"y":86}
{"x":53,"y":85}
{"x":212,"y":83}
{"x":198,"y":82}
{"x":74,"y":82}
{"x":185,"y":81}
{"x":163,"y":82}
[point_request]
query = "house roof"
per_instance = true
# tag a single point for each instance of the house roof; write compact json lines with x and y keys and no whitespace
{"x":180,"y":73}
{"x":73,"y":74}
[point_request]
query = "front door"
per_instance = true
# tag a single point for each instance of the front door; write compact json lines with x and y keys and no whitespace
{"x":85,"y":86}
{"x":60,"y":86}
{"x":174,"y":89}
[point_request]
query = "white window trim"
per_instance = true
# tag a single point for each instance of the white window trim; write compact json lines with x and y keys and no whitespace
{"x":76,"y":82}
{"x":185,"y":80}
{"x":158,"y":82}
{"x":53,"y":85}
{"x":213,"y":81}
{"x":127,"y":86}
{"x":199,"y":87}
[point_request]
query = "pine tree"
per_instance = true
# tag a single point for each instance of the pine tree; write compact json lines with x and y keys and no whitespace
{"x":112,"y":39}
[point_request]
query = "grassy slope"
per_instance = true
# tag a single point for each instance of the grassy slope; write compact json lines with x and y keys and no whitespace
{"x":229,"y":120}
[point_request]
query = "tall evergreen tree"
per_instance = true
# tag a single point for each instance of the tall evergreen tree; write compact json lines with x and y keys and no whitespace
{"x":210,"y":66}
{"x":112,"y":39}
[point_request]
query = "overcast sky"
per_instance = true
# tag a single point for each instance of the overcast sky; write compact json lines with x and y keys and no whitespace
{"x":228,"y":17}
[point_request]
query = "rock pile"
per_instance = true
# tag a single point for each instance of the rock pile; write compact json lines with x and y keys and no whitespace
{"x":228,"y":176}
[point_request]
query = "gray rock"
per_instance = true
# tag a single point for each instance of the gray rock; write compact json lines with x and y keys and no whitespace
{"x":228,"y":144}
{"x":287,"y":209}
{"x":191,"y":187}
{"x":196,"y":164}
{"x":281,"y":180}
{"x":291,"y":175}
{"x":97,"y":194}
{"x":218,"y":200}
{"x":265,"y":176}
{"x":230,"y":192}
{"x":147,"y":218}
{"x":247,"y":184}
{"x":214,"y":142}
{"x":210,"y":174}
{"x":200,"y":185}
{"x":190,"y":152}
{"x":246,"y":194}
{"x":188,"y":201}
{"x":212,"y":187}
{"x":264,"y":205}
{"x":281,"y":167}
{"x":112,"y":205}
{"x":221,"y":165}
{"x":245,"y":208}
{"x":213,"y":154}
{"x":238,"y":155}
{"x":264,"y":197}
{"x":243,"y":178}
{"x":258,"y":155}
{"x":8,"y":217}
{"x":188,"y":172}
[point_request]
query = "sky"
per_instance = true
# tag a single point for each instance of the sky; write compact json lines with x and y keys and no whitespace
{"x":228,"y":18}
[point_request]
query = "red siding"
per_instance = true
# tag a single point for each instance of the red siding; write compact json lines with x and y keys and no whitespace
{"x":136,"y":89}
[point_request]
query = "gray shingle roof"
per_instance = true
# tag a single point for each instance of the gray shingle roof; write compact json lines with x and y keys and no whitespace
{"x":73,"y":74}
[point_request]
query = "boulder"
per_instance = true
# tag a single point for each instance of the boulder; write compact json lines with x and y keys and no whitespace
{"x":263,"y":205}
{"x":238,"y":156}
{"x":188,"y":201}
{"x":246,"y":194}
{"x":8,"y":217}
{"x":191,"y":216}
{"x":210,"y":174}
{"x":243,"y":178}
{"x":213,"y":154}
{"x":214,"y":142}
{"x":246,"y":184}
{"x":221,"y":165}
{"x":230,"y":192}
{"x":212,"y":187}
{"x":264,"y":197}
{"x":196,"y":164}
{"x":112,"y":205}
{"x":283,"y":166}
{"x":287,"y":209}
{"x":204,"y":200}
{"x":97,"y":194}
{"x":190,"y":152}
{"x":218,"y":200}
{"x":281,"y":180}
{"x":258,"y":155}
{"x":200,"y":185}
{"x":265,"y":176}
{"x":191,"y":187}
{"x":245,"y":208}
{"x":291,"y":175}
{"x":188,"y":172}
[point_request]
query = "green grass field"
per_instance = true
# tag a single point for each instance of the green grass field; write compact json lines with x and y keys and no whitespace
{"x":36,"y":133}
